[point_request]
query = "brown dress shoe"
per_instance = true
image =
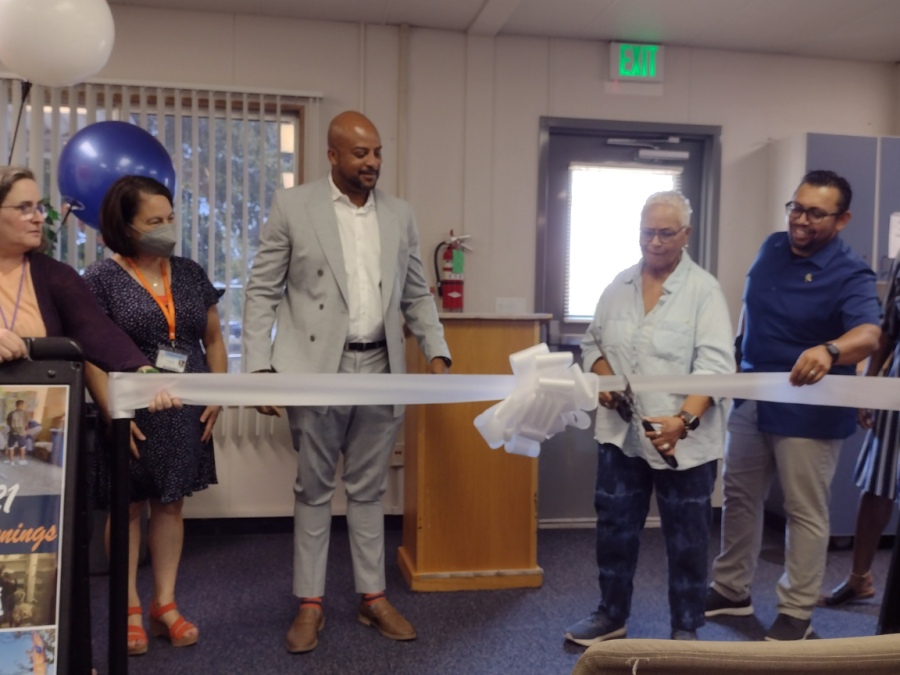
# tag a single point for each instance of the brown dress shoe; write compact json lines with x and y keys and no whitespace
{"x":386,"y":619}
{"x":303,"y":635}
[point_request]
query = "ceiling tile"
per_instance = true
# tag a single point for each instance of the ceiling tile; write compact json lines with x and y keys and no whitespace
{"x":847,"y":29}
{"x":563,"y":18}
{"x":448,"y":15}
{"x":871,"y":37}
{"x":782,"y":27}
{"x":356,"y":11}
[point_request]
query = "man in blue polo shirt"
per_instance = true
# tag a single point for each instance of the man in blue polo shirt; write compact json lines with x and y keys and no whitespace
{"x":810,"y":308}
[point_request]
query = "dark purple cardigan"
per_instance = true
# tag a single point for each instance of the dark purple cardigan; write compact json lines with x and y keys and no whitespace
{"x":70,"y":310}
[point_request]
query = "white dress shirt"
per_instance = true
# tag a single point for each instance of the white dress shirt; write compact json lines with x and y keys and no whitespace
{"x":688,"y":332}
{"x":361,"y":243}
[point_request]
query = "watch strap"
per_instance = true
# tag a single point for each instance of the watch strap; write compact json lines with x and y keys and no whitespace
{"x":691,"y":422}
{"x":834,"y":350}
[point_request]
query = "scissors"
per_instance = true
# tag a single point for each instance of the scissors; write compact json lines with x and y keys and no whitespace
{"x":627,"y":405}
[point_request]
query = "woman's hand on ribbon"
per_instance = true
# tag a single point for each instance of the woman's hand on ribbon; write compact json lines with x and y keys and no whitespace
{"x":608,"y":401}
{"x":667,"y":436}
{"x":268,"y":410}
{"x":865,"y":418}
{"x":136,"y":435}
{"x":209,"y":417}
{"x":162,"y":401}
{"x":811,"y":367}
{"x":11,"y":346}
{"x":437,"y":366}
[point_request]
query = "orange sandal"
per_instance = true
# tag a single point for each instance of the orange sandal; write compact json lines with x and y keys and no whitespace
{"x":137,"y":636}
{"x":176,"y":632}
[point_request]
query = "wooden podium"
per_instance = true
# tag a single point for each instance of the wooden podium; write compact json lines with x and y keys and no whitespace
{"x":469,"y":512}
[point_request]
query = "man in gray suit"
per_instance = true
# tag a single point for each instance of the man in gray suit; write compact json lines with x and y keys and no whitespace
{"x":338,"y":262}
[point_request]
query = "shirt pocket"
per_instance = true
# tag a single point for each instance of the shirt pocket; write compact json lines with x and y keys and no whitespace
{"x":673,"y":341}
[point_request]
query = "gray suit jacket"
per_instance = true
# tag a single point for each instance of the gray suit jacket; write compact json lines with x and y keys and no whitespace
{"x":299,"y":280}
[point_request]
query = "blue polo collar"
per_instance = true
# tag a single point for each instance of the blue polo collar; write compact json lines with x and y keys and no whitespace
{"x":820,"y":258}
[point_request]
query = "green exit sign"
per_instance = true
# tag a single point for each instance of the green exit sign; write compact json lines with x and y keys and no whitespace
{"x":636,"y":63}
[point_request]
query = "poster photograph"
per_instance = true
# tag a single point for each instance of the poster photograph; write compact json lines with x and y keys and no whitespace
{"x":32,"y":469}
{"x":28,"y":652}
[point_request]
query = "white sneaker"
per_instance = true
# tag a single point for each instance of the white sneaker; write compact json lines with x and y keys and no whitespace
{"x":23,"y":461}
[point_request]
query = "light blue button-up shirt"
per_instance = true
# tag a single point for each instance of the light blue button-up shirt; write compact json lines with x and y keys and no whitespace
{"x":688,"y":332}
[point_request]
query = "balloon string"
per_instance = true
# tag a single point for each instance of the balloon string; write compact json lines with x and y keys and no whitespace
{"x":62,"y":223}
{"x":26,"y":88}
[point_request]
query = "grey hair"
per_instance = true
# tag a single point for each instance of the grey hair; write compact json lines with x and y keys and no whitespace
{"x":9,"y":176}
{"x":674,"y":199}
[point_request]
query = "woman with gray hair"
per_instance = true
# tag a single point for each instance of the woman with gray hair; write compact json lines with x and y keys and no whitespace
{"x":663,"y":316}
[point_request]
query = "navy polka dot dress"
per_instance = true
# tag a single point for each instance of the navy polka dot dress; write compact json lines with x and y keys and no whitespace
{"x":173,"y":462}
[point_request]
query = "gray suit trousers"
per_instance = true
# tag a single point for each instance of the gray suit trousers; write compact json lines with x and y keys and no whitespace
{"x":366,"y":435}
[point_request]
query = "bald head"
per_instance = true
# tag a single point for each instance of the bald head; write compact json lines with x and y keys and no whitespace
{"x":348,"y":126}
{"x":354,"y":150}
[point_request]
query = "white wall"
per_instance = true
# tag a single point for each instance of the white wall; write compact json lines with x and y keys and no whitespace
{"x":474,"y":108}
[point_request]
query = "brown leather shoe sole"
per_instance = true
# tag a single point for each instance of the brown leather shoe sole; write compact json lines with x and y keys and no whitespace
{"x":363,"y":619}
{"x":306,"y":648}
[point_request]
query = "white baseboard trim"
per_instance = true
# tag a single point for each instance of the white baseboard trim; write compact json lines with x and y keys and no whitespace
{"x":583,"y":523}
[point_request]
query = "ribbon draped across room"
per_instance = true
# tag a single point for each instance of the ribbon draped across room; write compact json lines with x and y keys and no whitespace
{"x":546,"y":393}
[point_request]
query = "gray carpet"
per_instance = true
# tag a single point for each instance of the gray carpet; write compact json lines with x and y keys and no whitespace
{"x":237,"y":589}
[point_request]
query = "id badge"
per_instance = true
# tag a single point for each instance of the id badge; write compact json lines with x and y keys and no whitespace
{"x":171,"y":361}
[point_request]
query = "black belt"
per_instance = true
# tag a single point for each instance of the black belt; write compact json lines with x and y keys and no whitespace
{"x":365,"y":346}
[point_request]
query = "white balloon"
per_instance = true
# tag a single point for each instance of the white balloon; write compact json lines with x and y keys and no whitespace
{"x":55,"y":42}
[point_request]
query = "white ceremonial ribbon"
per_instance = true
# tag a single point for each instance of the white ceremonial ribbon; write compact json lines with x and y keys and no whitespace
{"x":546,"y":393}
{"x":131,"y":391}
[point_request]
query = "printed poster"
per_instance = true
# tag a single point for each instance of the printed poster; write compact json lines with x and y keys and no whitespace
{"x":33,"y":452}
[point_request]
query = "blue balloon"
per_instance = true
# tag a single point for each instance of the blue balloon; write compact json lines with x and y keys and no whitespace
{"x":96,"y":156}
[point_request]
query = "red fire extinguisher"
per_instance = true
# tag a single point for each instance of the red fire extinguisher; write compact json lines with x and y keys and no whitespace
{"x":450,"y":274}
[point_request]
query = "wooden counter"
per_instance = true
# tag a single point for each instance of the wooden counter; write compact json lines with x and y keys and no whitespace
{"x":470,"y":512}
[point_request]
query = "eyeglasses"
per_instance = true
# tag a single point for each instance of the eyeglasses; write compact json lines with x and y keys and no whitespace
{"x":27,"y":210}
{"x":814,"y":216}
{"x":665,"y":236}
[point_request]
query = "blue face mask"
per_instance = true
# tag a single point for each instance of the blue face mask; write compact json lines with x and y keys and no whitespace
{"x":157,"y":242}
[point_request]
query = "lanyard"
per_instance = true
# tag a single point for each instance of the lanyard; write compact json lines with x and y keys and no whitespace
{"x":168,"y":308}
{"x":11,"y":326}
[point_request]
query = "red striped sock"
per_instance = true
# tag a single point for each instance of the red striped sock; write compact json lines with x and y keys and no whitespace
{"x":311,"y":602}
{"x":371,"y":598}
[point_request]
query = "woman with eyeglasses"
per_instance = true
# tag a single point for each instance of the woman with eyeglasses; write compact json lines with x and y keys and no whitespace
{"x":41,"y":297}
{"x":167,"y":305}
{"x":663,"y":316}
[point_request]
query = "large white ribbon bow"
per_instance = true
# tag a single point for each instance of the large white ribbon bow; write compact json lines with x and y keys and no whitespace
{"x":551,"y":393}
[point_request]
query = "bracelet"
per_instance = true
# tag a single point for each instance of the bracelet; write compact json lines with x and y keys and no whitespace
{"x":148,"y":370}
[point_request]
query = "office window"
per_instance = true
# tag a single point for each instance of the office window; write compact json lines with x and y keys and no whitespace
{"x":227,"y":169}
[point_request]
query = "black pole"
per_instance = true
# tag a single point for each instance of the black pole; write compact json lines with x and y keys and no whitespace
{"x":26,"y":88}
{"x":120,"y":497}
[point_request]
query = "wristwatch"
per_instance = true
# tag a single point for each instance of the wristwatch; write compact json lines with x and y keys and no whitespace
{"x":833,"y":350}
{"x":691,"y":422}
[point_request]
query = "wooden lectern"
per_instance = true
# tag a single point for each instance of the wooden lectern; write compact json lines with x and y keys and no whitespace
{"x":469,"y":512}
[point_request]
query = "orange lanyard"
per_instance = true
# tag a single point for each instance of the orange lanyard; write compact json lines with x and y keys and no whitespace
{"x":168,"y":308}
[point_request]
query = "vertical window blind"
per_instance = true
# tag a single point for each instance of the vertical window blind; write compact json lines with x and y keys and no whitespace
{"x":231,"y":150}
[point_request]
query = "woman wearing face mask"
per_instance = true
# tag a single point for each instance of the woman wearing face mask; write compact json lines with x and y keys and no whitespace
{"x":167,"y":305}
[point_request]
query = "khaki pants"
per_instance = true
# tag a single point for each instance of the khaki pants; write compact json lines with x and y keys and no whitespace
{"x":805,"y":468}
